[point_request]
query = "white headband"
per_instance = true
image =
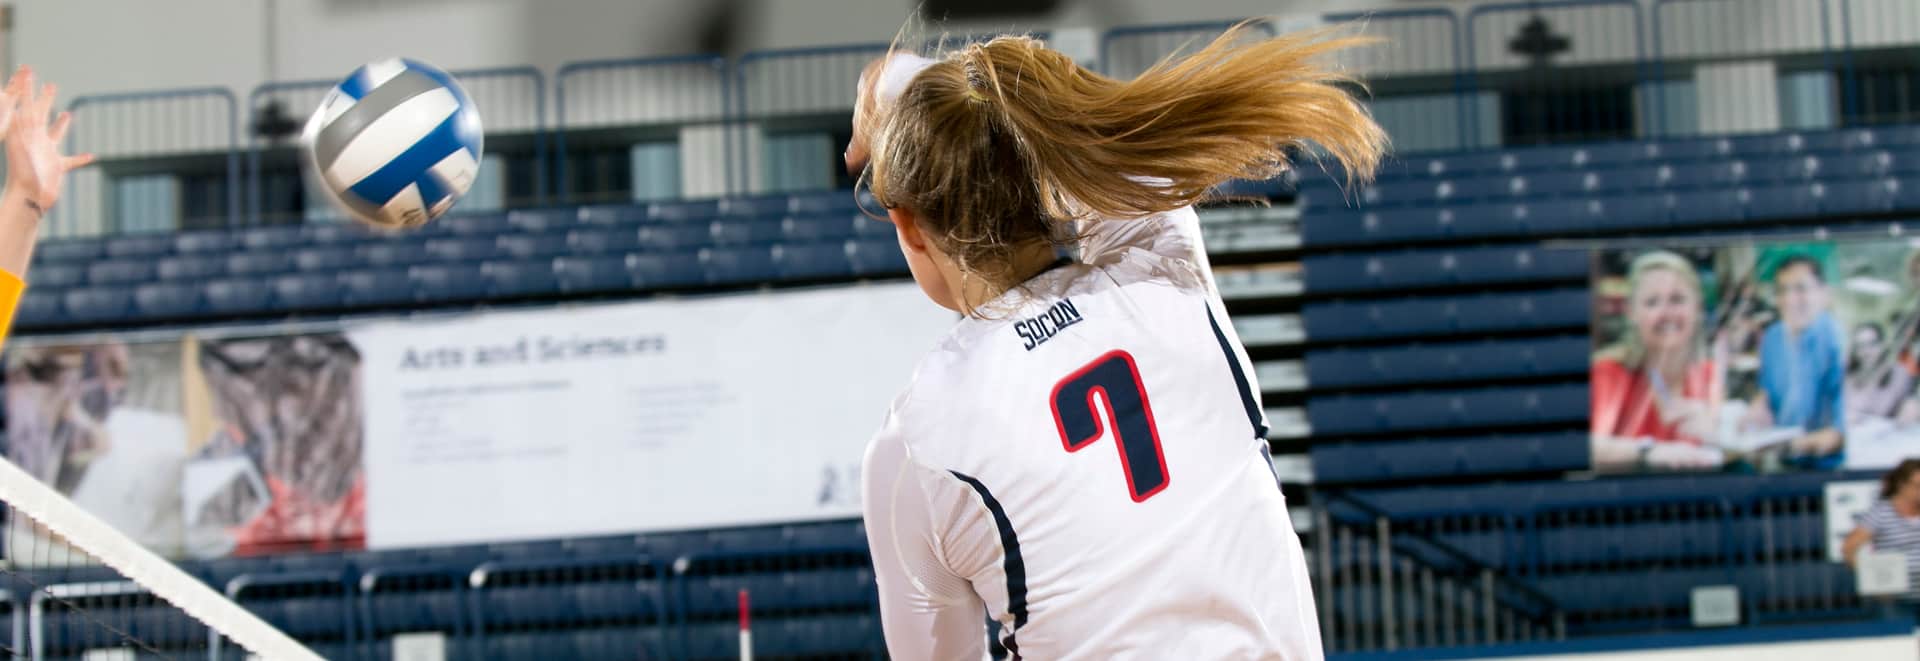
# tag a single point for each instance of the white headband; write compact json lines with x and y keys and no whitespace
{"x":896,"y":74}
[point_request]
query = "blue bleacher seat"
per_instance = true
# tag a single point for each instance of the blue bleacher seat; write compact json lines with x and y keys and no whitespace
{"x":605,"y":241}
{"x":739,"y":265}
{"x":1549,"y":184}
{"x":802,"y":261}
{"x":1857,"y":196}
{"x":251,"y":263}
{"x":393,"y":253}
{"x":1551,"y":217}
{"x":747,"y":231}
{"x":465,"y":249}
{"x":765,"y":207}
{"x":837,"y":202}
{"x":1707,"y":207}
{"x":1430,"y":268}
{"x":69,"y":250}
{"x":144,"y":246}
{"x":1864,"y":164}
{"x":1386,"y":194}
{"x":877,"y":257}
{"x":544,"y":220}
{"x":237,"y":296}
{"x":57,"y":275}
{"x":684,"y":237}
{"x":1633,"y":211}
{"x":167,"y":300}
{"x":1713,"y":175}
{"x":1486,"y":162}
{"x":120,"y":272}
{"x":1381,"y":461}
{"x":1783,"y":170}
{"x":612,"y":214}
{"x":1453,"y":362}
{"x":530,"y":277}
{"x":40,"y":309}
{"x":375,"y":287}
{"x":272,"y":238}
{"x":339,"y":234}
{"x":1350,"y":414}
{"x":1693,"y":149}
{"x":666,"y":270}
{"x":531,"y":246}
{"x":200,"y":243}
{"x":1906,"y":195}
{"x":448,"y":282}
{"x":1765,"y":145}
{"x":820,"y":228}
{"x":577,"y":275}
{"x":99,"y":304}
{"x":421,"y":598}
{"x":325,"y":260}
{"x":488,"y":224}
{"x":1783,"y":201}
{"x":312,"y":290}
{"x":1478,"y":189}
{"x":684,"y":211}
{"x":192,"y":268}
{"x":1613,"y":154}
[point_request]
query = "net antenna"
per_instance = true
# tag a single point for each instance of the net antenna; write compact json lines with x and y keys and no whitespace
{"x":40,"y":509}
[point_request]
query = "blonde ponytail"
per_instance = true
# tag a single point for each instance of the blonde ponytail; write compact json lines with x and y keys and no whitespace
{"x":1001,"y":145}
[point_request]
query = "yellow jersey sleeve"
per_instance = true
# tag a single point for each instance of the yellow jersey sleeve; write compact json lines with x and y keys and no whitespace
{"x":11,"y":286}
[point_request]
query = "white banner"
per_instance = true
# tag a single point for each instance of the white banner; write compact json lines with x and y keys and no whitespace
{"x":648,"y":416}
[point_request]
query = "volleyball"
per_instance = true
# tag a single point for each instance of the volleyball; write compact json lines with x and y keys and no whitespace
{"x":394,"y":145}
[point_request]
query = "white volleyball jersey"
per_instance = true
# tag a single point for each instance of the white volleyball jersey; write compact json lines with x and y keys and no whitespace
{"x":1090,"y":470}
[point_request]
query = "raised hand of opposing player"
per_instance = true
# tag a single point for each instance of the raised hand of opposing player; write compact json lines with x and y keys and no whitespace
{"x":36,"y":169}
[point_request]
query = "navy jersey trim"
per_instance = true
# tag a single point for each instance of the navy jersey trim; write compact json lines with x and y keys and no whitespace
{"x":1239,"y":376}
{"x":1016,"y":567}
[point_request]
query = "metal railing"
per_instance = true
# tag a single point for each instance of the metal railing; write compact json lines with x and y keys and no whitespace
{"x":1496,"y":74}
{"x":136,"y":129}
{"x":1385,"y":588}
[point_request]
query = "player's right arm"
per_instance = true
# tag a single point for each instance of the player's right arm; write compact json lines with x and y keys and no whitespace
{"x":36,"y":170}
{"x":926,"y":611}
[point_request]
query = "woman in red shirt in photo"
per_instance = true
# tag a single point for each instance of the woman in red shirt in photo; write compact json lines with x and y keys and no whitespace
{"x":1656,"y":392}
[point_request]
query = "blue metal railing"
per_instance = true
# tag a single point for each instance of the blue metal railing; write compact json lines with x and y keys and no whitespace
{"x":137,"y":135}
{"x":824,"y":83}
{"x":1455,"y":47}
{"x":694,"y":105}
{"x":1609,"y":52}
{"x":1474,"y":67}
{"x":1188,"y":34}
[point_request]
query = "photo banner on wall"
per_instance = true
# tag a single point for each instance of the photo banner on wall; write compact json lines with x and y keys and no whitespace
{"x":655,"y":415}
{"x":1756,"y":357}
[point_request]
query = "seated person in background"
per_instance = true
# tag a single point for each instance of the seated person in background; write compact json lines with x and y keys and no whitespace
{"x":1801,"y":368}
{"x":1875,"y":385}
{"x":1656,"y":394}
{"x":1893,"y":523}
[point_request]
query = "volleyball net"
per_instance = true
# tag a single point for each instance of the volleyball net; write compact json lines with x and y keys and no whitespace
{"x":72,"y":587}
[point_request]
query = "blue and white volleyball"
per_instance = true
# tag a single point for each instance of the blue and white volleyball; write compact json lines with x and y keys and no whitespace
{"x":394,"y":145}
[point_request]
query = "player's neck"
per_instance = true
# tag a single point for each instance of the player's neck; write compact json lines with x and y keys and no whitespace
{"x":975,"y":292}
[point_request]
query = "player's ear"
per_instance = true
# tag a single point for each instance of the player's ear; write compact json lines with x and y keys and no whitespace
{"x":908,"y":225}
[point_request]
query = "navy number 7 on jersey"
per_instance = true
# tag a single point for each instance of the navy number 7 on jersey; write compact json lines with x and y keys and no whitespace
{"x":1123,"y":399}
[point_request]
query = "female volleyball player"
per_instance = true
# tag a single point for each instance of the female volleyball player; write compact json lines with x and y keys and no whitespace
{"x":36,"y":171}
{"x":1083,"y":458}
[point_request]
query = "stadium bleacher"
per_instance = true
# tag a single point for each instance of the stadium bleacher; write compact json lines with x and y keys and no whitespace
{"x":1423,"y":343}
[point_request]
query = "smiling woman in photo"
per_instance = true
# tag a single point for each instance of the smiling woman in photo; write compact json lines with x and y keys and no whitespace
{"x":1656,"y":393}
